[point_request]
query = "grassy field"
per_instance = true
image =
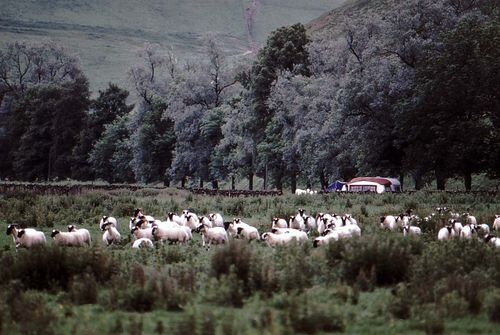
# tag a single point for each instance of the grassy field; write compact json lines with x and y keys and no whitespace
{"x":107,"y":34}
{"x":380,"y":283}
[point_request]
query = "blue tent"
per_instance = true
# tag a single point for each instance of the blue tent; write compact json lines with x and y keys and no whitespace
{"x":335,"y":186}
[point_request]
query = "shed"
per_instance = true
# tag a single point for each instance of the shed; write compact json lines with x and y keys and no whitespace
{"x":374,"y":184}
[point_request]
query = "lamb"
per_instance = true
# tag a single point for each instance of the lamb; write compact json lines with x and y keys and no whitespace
{"x":496,"y":223}
{"x":142,"y":233}
{"x":142,"y":243}
{"x":83,"y":233}
{"x":111,"y":235}
{"x":173,"y":235}
{"x":446,"y":233}
{"x":273,"y":240}
{"x":214,"y":235}
{"x":26,"y":238}
{"x":217,"y":219}
{"x":108,"y":219}
{"x":248,"y":232}
{"x":67,"y":239}
{"x":279,"y":223}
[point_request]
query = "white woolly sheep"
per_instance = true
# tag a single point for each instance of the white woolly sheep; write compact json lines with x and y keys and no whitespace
{"x":330,"y":236}
{"x":67,"y":239}
{"x":411,"y":230}
{"x":273,"y":240}
{"x":457,"y":226}
{"x":217,"y":219}
{"x":298,"y":234}
{"x":171,"y":234}
{"x":483,"y":229}
{"x":232,"y":227}
{"x":446,"y":233}
{"x":142,"y":233}
{"x":297,"y":222}
{"x":83,"y":234}
{"x":111,"y":235}
{"x":142,"y":243}
{"x":468,"y":232}
{"x":26,"y":238}
{"x":388,"y":222}
{"x":321,"y":220}
{"x":214,"y":235}
{"x":171,"y":216}
{"x":248,"y":232}
{"x":279,"y":223}
{"x":206,"y":221}
{"x":108,"y":219}
{"x":192,"y":221}
{"x":492,"y":240}
{"x":471,"y":220}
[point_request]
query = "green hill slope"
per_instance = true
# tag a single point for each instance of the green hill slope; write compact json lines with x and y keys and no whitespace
{"x":106,"y":34}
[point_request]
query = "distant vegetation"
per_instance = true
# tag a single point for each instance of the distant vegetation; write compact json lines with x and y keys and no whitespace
{"x":378,"y":283}
{"x":410,"y":91}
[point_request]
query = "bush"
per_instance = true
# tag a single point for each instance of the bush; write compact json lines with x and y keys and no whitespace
{"x":454,"y":306}
{"x":31,"y":314}
{"x":385,"y":258}
{"x":492,"y":305}
{"x":53,"y":268}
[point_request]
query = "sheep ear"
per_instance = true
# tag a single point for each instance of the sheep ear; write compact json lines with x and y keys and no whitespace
{"x":240,"y":229}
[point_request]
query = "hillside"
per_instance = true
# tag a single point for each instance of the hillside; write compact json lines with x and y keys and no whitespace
{"x":107,"y":34}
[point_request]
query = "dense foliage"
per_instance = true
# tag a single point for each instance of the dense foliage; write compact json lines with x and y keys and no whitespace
{"x":393,"y":88}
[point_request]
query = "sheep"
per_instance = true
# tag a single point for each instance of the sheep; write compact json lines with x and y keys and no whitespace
{"x":299,"y":234}
{"x":351,"y":219}
{"x":344,"y":231}
{"x":411,"y":230}
{"x":274,"y":240}
{"x":139,"y":214}
{"x":483,"y":229}
{"x":171,"y":216}
{"x":214,"y":235}
{"x":108,"y":219}
{"x":192,"y":221}
{"x":82,"y":232}
{"x":402,"y":220}
{"x":217,"y":219}
{"x":388,"y":222}
{"x":232,"y":227}
{"x":297,"y":222}
{"x":206,"y":221}
{"x":111,"y":235}
{"x":492,"y":240}
{"x":279,"y":223}
{"x":457,"y":226}
{"x":327,"y":238}
{"x":142,"y":243}
{"x":470,"y":219}
{"x":320,"y":221}
{"x":172,"y":234}
{"x":26,"y":238}
{"x":468,"y":231}
{"x":67,"y":239}
{"x":446,"y":233}
{"x":140,"y":222}
{"x":248,"y":232}
{"x":496,"y":223}
{"x":142,"y":233}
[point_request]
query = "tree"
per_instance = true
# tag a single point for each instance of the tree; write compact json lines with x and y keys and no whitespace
{"x":107,"y":107}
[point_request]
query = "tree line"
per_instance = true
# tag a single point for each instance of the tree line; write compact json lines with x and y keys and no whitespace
{"x":411,"y":89}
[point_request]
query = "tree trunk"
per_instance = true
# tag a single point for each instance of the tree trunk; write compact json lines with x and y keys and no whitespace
{"x":468,"y":181}
{"x":293,"y":182}
{"x":417,"y":179}
{"x":250,"y":181}
{"x":166,"y":181}
{"x":401,"y":181}
{"x":183,"y":182}
{"x":233,"y":182}
{"x":322,"y":180}
{"x":201,"y":182}
{"x":440,"y":180}
{"x":215,"y":184}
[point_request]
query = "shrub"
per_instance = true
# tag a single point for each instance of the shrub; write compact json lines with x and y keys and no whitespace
{"x":32,"y":315}
{"x":492,"y":305}
{"x":454,"y":306}
{"x":387,"y":259}
{"x":53,"y":268}
{"x":431,"y":320}
{"x":83,"y":289}
{"x":400,"y":304}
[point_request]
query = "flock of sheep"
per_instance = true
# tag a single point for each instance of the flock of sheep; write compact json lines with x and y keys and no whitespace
{"x":146,"y":230}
